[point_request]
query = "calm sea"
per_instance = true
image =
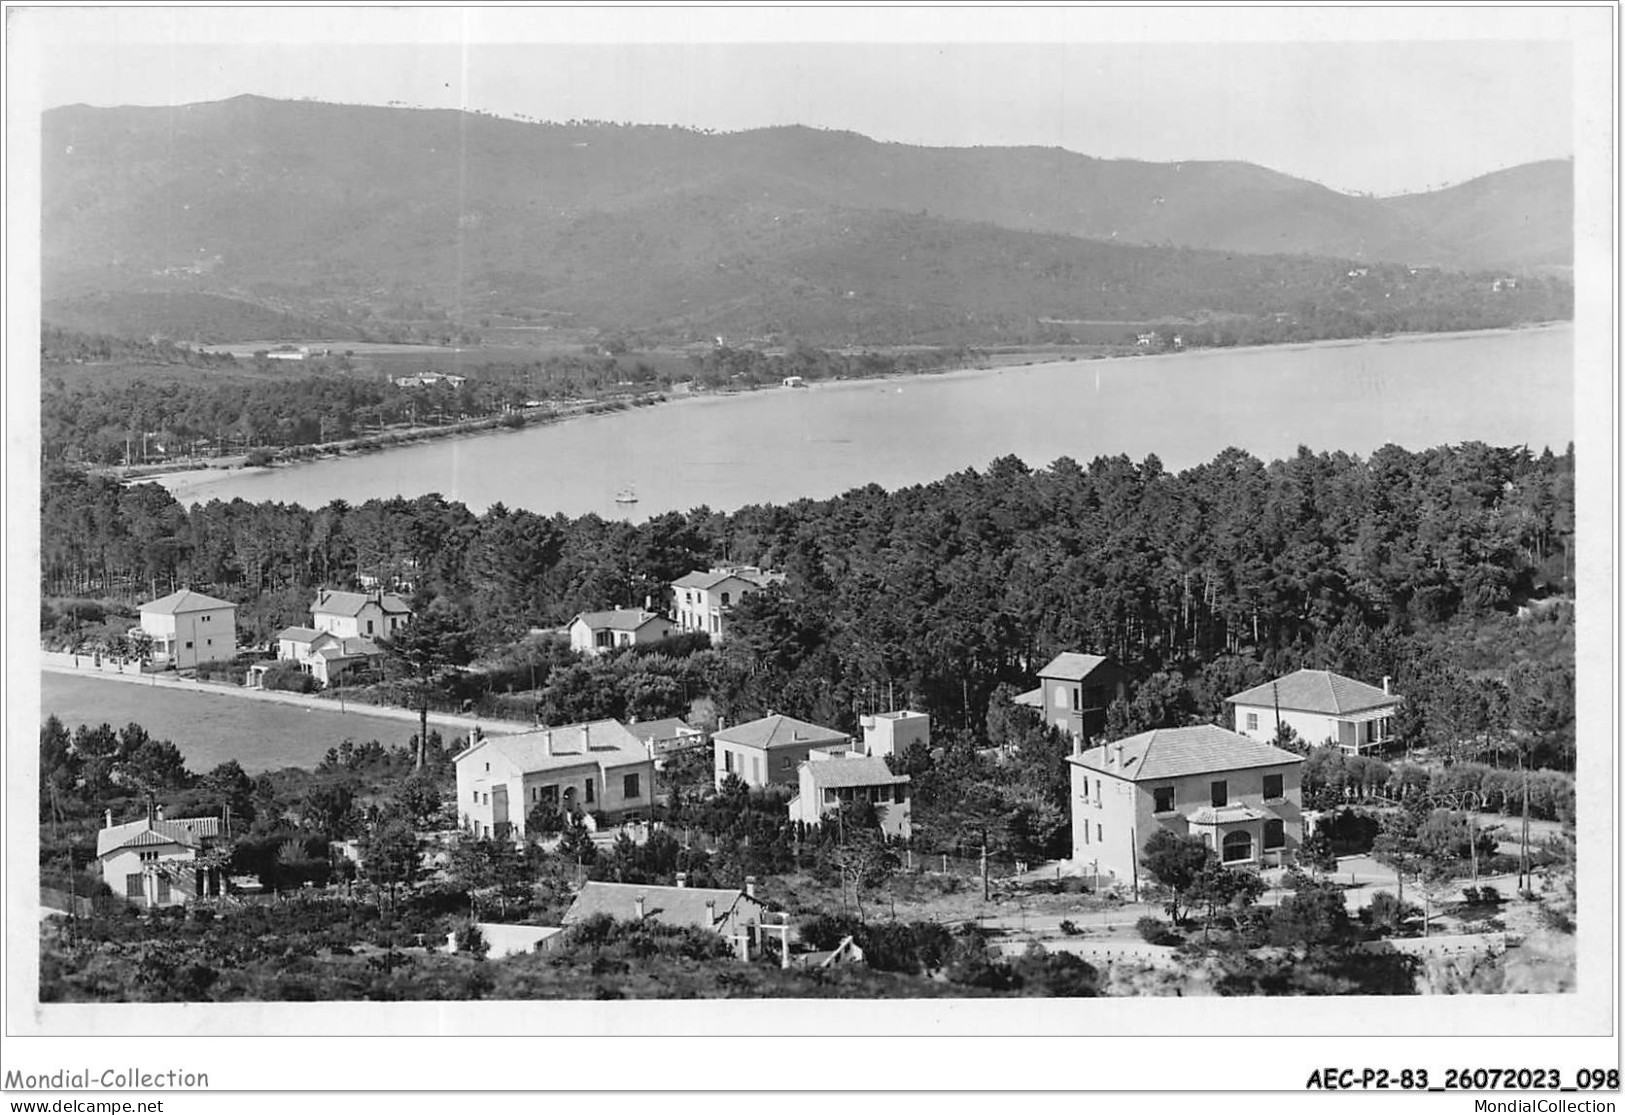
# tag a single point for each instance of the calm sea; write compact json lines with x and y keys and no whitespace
{"x":778,"y":445}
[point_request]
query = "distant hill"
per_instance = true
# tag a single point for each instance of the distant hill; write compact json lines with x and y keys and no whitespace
{"x":360,"y":216}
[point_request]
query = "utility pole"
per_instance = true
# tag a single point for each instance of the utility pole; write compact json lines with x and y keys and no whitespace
{"x":985,"y":893}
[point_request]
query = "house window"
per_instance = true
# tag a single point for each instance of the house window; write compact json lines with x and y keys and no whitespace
{"x":476,"y":797}
{"x":1273,"y":787}
{"x":1163,"y":799}
{"x":629,"y":786}
{"x":728,"y":762}
{"x":1238,"y":846}
{"x":898,"y":797}
{"x":163,"y":888}
{"x":590,"y":790}
{"x":787,"y":763}
{"x":1077,"y":698}
{"x":1221,"y":794}
{"x":1086,"y":833}
{"x":132,"y":885}
{"x":1252,"y":721}
{"x":724,"y":600}
{"x":149,"y":857}
{"x":1274,"y":833}
{"x":369,"y":627}
{"x":1060,"y":696}
{"x":1099,"y":835}
{"x":189,"y":644}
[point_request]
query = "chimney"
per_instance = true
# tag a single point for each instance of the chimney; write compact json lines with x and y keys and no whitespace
{"x":1117,"y":756}
{"x":682,"y":879}
{"x":637,"y":904}
{"x":710,"y":911}
{"x":750,"y":886}
{"x":722,"y":722}
{"x":547,"y":743}
{"x":1077,"y":745}
{"x":1386,"y":684}
{"x":109,"y":817}
{"x":160,"y":812}
{"x":586,"y":738}
{"x":648,"y":603}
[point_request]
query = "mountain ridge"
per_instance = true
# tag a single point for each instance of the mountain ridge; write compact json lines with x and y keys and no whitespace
{"x":304,"y":202}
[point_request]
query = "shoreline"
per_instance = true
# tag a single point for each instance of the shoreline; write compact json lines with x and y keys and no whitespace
{"x":179,"y":482}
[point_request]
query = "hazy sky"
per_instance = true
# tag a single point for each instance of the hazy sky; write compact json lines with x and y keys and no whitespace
{"x":1370,"y":100}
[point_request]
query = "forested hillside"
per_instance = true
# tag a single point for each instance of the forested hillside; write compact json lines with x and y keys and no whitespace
{"x":1203,"y":583}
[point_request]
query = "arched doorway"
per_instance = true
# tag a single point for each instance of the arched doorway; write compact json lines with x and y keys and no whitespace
{"x":1238,"y":846}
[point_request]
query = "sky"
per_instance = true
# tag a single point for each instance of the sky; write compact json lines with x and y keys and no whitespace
{"x":1380,"y":101}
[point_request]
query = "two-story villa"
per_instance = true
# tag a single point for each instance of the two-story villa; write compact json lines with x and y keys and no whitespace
{"x":1322,"y":708}
{"x":1075,"y":690}
{"x":701,"y":601}
{"x":578,"y":769}
{"x":154,"y":862}
{"x":371,"y":615}
{"x":1241,"y":796}
{"x":188,"y":627}
{"x":828,"y":781}
{"x":767,"y":751}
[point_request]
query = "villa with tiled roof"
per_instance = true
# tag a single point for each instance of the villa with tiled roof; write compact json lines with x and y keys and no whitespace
{"x":154,"y":862}
{"x":1321,"y":708}
{"x":598,"y":632}
{"x":767,"y":751}
{"x":1074,"y":691}
{"x":829,"y":781}
{"x":188,"y":627}
{"x":701,"y":600}
{"x":575,"y":770}
{"x":1243,"y":797}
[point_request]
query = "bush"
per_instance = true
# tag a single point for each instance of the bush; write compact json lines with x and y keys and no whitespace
{"x":1070,"y":927}
{"x":471,"y":941}
{"x":288,"y":677}
{"x":1387,"y":914}
{"x":1155,"y":931}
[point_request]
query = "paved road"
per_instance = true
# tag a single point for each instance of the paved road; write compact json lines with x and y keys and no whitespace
{"x":85,"y":666}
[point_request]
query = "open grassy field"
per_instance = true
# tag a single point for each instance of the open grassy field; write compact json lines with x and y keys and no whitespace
{"x":210,"y":728}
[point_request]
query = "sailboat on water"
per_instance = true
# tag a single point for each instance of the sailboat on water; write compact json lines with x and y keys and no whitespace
{"x":626,"y":495}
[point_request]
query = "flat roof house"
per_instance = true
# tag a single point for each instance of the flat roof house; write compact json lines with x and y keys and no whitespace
{"x":1241,"y":796}
{"x":829,"y":781}
{"x":598,"y":632}
{"x":1322,"y":708}
{"x":188,"y":627}
{"x":767,"y":751}
{"x":578,"y":769}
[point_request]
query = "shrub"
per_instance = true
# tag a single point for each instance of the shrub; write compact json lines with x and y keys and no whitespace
{"x":1489,"y":895}
{"x":471,"y":941}
{"x":1157,"y":932}
{"x":288,"y":677}
{"x":1070,"y":927}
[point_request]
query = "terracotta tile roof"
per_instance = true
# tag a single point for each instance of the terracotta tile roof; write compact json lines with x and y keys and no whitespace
{"x":668,"y":905}
{"x":710,"y":578}
{"x":1316,"y":691}
{"x":604,"y":742}
{"x":618,"y":619}
{"x":179,"y":603}
{"x":780,"y":731}
{"x":187,"y":832}
{"x":1071,"y":666}
{"x":298,"y":634}
{"x":832,"y":774}
{"x":1178,"y":752}
{"x":669,"y":728}
{"x":1033,"y":698}
{"x":333,"y":603}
